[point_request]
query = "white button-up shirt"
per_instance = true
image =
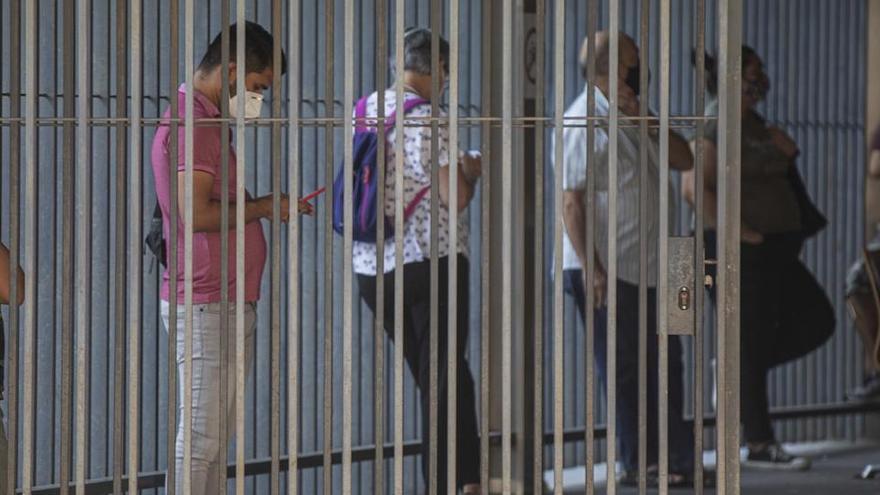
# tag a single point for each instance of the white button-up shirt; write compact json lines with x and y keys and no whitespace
{"x":628,"y":169}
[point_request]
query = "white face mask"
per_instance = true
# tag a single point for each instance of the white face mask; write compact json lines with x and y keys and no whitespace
{"x":253,"y":105}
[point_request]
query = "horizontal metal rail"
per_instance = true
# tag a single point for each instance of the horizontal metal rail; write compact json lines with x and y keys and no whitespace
{"x":364,"y":453}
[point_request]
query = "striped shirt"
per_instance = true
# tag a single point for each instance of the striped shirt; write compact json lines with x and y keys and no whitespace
{"x":628,"y":175}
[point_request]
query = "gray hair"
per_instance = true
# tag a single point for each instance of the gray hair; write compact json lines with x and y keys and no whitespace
{"x":417,"y":52}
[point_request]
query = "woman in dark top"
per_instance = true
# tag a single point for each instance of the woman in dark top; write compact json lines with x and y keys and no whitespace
{"x":784,"y":312}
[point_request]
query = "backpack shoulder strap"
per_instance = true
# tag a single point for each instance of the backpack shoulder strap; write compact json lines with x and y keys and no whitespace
{"x":408,"y":107}
{"x":360,"y":112}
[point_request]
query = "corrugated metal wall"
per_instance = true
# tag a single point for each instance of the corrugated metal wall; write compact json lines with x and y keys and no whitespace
{"x":813,"y":50}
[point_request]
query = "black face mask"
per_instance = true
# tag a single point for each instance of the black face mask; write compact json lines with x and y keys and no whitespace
{"x":634,"y":78}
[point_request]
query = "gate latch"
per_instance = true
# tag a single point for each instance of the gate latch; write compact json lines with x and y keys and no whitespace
{"x":680,"y":305}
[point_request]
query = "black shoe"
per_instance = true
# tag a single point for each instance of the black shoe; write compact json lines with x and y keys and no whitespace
{"x":774,"y":457}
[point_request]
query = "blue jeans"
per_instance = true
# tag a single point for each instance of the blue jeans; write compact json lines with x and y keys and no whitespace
{"x":681,"y":436}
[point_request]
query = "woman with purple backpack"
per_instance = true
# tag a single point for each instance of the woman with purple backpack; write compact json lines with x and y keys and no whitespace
{"x":418,"y":85}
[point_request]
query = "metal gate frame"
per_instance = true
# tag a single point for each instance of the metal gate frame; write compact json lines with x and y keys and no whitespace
{"x":509,"y":327}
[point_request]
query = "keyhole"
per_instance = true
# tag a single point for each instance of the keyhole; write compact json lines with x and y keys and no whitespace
{"x":684,"y":298}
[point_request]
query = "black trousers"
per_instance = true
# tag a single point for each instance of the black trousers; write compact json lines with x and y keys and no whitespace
{"x":416,"y":351}
{"x":681,"y":436}
{"x":784,"y":315}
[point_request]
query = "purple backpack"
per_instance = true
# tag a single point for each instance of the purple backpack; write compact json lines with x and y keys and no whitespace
{"x":365,"y":184}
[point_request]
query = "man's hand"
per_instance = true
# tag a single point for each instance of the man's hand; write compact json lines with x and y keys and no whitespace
{"x":627,"y":100}
{"x":265,"y":202}
{"x":306,"y":208}
{"x":600,"y":285}
{"x":783,"y":142}
{"x":471,"y":167}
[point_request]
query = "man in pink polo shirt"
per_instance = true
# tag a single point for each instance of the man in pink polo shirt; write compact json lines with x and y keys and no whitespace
{"x":208,"y":442}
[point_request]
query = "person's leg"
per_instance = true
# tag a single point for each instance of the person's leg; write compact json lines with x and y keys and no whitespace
{"x":206,"y":360}
{"x":681,"y":434}
{"x":218,"y":468}
{"x":467,"y":427}
{"x":863,"y":311}
{"x":416,"y":325}
{"x":574,"y":286}
{"x":806,"y":316}
{"x":758,"y":310}
{"x":4,"y":452}
{"x":628,"y":380}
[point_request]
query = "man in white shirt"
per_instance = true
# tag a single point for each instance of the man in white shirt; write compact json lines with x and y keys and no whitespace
{"x":574,"y":170}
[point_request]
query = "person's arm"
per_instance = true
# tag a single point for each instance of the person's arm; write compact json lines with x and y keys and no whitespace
{"x":680,"y":156}
{"x":207,"y":211}
{"x":5,"y":268}
{"x":710,"y":198}
{"x":469,"y":170}
{"x":874,"y":165}
{"x":574,"y":216}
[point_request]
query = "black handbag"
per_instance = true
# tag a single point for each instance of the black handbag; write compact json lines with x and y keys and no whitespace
{"x":155,"y":240}
{"x":813,"y":221}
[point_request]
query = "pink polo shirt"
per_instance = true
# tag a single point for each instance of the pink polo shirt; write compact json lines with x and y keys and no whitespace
{"x":206,"y":245}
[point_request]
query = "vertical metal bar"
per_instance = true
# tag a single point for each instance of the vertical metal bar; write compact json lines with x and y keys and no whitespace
{"x":506,"y":248}
{"x":433,"y":387}
{"x":68,"y":267}
{"x":293,"y":260}
{"x":30,"y":245}
{"x":379,"y":320}
{"x":121,"y":227}
{"x":611,"y":372}
{"x":224,"y":241}
{"x":452,"y":267}
{"x":134,"y":268}
{"x":485,"y":235}
{"x":538,"y":267}
{"x":663,"y":256}
{"x":83,"y":248}
{"x":188,"y":214}
{"x":329,"y":54}
{"x":699,"y":266}
{"x":558,"y":317}
{"x":275,"y":427}
{"x":240,"y":195}
{"x":729,"y":126}
{"x":643,"y":246}
{"x":173,"y":259}
{"x":348,"y":217}
{"x":591,"y":217}
{"x":400,"y":10}
{"x":14,"y":226}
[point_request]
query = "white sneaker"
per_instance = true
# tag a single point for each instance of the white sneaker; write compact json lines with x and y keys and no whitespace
{"x":775,"y":458}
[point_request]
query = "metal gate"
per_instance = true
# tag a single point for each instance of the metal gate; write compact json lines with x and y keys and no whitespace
{"x":504,"y":120}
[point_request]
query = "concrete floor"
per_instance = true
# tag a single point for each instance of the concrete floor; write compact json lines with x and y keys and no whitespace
{"x":833,"y":473}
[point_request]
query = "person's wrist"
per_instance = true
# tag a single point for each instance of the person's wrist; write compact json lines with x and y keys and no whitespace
{"x":263,"y":206}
